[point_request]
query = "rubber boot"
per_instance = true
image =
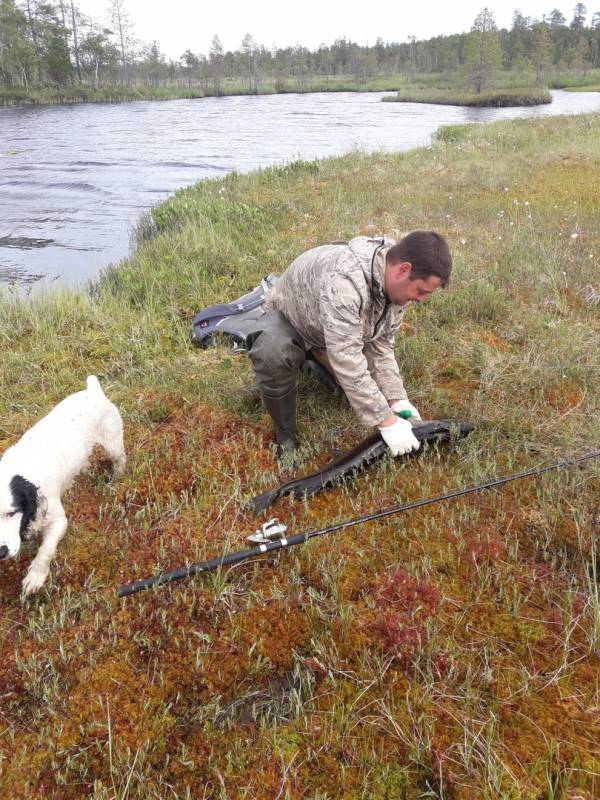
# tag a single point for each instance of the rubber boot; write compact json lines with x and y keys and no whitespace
{"x":283,"y":414}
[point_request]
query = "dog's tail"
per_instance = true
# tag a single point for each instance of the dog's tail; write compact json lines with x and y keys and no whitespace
{"x":93,"y":385}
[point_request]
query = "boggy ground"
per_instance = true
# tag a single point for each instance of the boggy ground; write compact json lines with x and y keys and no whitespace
{"x":451,"y":653}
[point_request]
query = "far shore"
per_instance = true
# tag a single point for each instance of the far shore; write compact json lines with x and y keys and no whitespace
{"x":429,"y":89}
{"x":124,"y":94}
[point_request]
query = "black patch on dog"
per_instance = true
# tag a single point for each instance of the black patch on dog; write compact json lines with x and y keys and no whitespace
{"x":25,"y":500}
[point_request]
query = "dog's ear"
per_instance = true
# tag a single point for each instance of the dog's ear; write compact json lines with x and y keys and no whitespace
{"x":27,"y":500}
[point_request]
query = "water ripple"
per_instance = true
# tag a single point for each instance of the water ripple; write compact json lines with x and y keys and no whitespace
{"x":129,"y":163}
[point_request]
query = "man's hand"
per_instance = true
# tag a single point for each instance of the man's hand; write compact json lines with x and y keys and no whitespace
{"x":398,"y":436}
{"x":404,"y":405}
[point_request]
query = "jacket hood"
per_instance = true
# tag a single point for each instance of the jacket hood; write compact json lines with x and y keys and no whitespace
{"x":371,"y":252}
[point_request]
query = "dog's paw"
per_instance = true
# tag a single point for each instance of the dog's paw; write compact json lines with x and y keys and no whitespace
{"x":118,"y":468}
{"x":33,"y":582}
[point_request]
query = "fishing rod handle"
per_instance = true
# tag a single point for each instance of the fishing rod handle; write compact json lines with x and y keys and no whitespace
{"x":208,"y":566}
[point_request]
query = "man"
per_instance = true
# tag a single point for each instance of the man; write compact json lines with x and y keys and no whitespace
{"x":344,"y":304}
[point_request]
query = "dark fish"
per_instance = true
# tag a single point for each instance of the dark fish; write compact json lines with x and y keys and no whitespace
{"x":367,"y":452}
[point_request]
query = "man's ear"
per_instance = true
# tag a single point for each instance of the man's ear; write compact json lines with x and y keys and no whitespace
{"x":402,"y":268}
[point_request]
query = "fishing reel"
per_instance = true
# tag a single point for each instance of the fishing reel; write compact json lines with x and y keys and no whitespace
{"x":268,"y":532}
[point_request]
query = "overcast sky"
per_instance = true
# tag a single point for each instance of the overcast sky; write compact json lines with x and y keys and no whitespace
{"x":181,"y":24}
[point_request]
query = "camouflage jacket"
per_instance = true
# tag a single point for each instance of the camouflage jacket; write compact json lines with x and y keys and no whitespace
{"x":333,"y":296}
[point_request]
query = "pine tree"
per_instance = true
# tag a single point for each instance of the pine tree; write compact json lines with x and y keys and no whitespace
{"x":122,"y":25}
{"x":579,"y":15}
{"x":541,"y":50}
{"x":482,"y":54}
{"x":216,"y":63}
{"x":582,"y":55}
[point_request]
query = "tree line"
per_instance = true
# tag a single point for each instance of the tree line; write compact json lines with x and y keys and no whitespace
{"x":55,"y":44}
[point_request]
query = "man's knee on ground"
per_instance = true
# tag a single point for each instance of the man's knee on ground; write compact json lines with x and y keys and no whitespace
{"x":271,"y":352}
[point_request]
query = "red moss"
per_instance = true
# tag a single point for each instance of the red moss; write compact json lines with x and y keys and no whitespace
{"x":404,"y":606}
{"x":481,"y":549}
{"x":274,"y":632}
{"x":160,"y":657}
{"x":404,"y":592}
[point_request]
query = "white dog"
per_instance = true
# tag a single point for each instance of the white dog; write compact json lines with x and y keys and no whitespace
{"x":37,"y":470}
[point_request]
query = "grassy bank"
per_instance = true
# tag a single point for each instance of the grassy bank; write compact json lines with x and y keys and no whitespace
{"x":576,"y":80}
{"x":86,"y":94}
{"x":590,"y":88}
{"x":452,"y":653}
{"x":515,"y":88}
{"x":121,"y":94}
{"x":499,"y":98}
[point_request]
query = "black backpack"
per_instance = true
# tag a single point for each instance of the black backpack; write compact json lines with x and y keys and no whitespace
{"x":231,"y":319}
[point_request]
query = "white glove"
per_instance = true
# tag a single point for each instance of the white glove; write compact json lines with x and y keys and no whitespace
{"x":404,"y":405}
{"x":399,"y":437}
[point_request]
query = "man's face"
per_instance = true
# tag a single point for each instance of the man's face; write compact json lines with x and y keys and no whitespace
{"x":400,"y":289}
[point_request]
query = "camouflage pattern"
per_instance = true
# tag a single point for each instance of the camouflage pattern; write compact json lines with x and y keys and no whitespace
{"x":333,"y":296}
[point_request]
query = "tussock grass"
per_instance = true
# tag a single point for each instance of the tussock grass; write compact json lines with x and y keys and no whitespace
{"x":497,"y":98}
{"x":450,"y":653}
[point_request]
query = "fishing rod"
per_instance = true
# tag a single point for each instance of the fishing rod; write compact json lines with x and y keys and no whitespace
{"x":270,"y":536}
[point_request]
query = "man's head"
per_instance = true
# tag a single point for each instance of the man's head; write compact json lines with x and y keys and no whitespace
{"x":417,"y":266}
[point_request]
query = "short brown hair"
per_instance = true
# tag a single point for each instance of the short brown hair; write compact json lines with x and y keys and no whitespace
{"x":427,"y":251}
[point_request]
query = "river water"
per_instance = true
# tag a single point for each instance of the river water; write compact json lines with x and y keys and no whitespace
{"x":75,"y":179}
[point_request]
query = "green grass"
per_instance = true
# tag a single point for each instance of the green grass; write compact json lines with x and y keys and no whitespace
{"x":498,"y":98}
{"x":86,"y":94}
{"x":117,"y":94}
{"x":449,"y":653}
{"x":575,"y":79}
{"x":587,"y":88}
{"x":514,"y":88}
